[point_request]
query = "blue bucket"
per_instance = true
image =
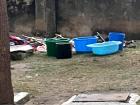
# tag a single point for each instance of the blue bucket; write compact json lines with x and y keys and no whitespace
{"x":82,"y":42}
{"x":117,"y":36}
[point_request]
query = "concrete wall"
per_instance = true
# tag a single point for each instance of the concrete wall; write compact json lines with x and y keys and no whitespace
{"x":40,"y":22}
{"x":21,"y":15}
{"x":79,"y":17}
{"x":51,"y":16}
{"x":45,"y":16}
{"x":84,"y":17}
{"x":26,"y":16}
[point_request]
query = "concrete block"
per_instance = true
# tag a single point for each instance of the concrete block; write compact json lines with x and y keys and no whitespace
{"x":133,"y":98}
{"x":21,"y":98}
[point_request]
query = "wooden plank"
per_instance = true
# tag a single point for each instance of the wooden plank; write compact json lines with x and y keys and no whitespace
{"x":111,"y":97}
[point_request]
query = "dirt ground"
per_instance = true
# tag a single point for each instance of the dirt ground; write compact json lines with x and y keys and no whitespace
{"x":52,"y":81}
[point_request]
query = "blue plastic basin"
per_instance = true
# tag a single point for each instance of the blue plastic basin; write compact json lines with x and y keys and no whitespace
{"x":105,"y":48}
{"x":81,"y":42}
{"x":117,"y":36}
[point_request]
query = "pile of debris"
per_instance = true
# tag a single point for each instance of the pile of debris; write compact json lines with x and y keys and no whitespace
{"x":23,"y":46}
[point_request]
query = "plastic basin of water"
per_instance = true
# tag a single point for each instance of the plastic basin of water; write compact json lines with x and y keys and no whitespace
{"x":105,"y":48}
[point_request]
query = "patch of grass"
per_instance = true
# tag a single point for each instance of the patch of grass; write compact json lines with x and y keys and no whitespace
{"x":27,"y":87}
{"x":83,"y":73}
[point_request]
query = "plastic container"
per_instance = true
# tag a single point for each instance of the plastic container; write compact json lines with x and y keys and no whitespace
{"x":117,"y":36}
{"x":63,"y":50}
{"x":51,"y":45}
{"x":81,"y":42}
{"x":105,"y":48}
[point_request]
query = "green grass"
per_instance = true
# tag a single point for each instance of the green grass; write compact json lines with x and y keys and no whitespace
{"x":48,"y":76}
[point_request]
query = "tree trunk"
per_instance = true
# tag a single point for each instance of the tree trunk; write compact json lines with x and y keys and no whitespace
{"x":6,"y":89}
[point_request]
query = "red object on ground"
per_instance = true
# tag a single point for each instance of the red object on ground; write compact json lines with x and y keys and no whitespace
{"x":17,"y":40}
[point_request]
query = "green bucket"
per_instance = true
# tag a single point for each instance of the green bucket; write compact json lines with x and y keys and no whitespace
{"x":51,"y":45}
